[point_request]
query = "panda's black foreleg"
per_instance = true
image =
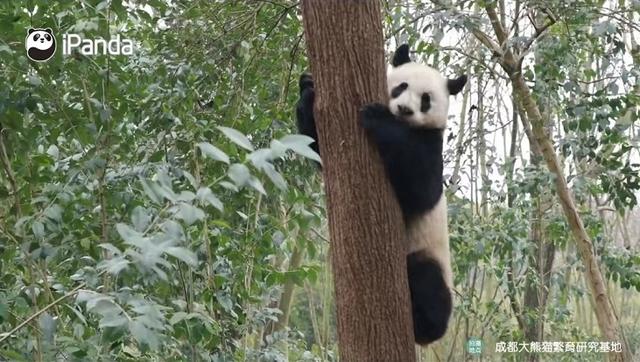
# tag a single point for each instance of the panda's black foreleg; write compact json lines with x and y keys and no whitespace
{"x":400,"y":155}
{"x":304,"y":110}
{"x":389,"y":135}
{"x":431,"y":300}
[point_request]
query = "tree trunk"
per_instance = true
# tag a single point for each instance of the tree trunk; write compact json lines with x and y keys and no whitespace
{"x":368,"y":251}
{"x":286,"y":299}
{"x":542,"y":252}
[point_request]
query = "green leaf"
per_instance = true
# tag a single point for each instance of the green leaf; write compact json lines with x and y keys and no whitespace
{"x":274,"y":176}
{"x":110,"y":248}
{"x":164,"y":190}
{"x":183,"y":254}
{"x":294,"y":140}
{"x":47,"y":327}
{"x":177,"y":318}
{"x":144,"y":335}
{"x":114,"y":265}
{"x":189,"y":213}
{"x":186,"y":196}
{"x":256,"y":184}
{"x":173,"y":229}
{"x":205,"y":194}
{"x":239,"y":174}
{"x":278,"y":149}
{"x":237,"y":137}
{"x":260,"y":157}
{"x":38,"y":229}
{"x":113,"y":321}
{"x":102,"y":5}
{"x":149,"y":190}
{"x":213,"y":152}
{"x":300,"y":145}
{"x":128,"y":234}
{"x":140,"y":218}
{"x":54,"y":212}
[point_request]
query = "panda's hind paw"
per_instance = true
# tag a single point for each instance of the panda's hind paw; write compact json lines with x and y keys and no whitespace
{"x":431,"y":298}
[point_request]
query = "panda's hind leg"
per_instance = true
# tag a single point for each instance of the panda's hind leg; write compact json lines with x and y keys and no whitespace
{"x":431,"y":300}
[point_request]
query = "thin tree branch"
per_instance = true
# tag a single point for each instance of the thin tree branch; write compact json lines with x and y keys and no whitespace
{"x":479,"y":34}
{"x":38,"y":313}
{"x":539,"y":32}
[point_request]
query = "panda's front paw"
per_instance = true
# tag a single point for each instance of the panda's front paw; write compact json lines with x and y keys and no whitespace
{"x":307,"y":96}
{"x":373,"y":113}
{"x":306,"y":81}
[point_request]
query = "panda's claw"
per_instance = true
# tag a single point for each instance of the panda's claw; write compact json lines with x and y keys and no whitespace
{"x":373,"y":113}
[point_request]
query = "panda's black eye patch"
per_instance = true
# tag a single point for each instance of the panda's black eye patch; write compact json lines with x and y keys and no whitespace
{"x":397,"y":90}
{"x":425,"y":102}
{"x":36,"y":37}
{"x":47,"y":36}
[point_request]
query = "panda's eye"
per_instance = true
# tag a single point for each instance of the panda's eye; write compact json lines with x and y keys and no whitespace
{"x":397,"y":90}
{"x":48,"y":37}
{"x":36,"y":37}
{"x":425,"y":102}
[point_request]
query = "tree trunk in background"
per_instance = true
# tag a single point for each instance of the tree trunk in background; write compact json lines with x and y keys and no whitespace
{"x":286,"y":299}
{"x":541,"y":258}
{"x":542,"y":252}
{"x":368,"y":249}
{"x":607,"y":318}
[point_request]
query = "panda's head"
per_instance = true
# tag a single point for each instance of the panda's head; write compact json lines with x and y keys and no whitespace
{"x":418,"y":93}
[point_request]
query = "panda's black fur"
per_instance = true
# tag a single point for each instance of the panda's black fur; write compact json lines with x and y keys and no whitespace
{"x":408,"y":133}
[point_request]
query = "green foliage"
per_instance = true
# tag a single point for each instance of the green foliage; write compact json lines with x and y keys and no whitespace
{"x":156,"y":184}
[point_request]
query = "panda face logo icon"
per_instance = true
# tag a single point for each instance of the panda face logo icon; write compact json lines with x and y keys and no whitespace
{"x":40,"y":44}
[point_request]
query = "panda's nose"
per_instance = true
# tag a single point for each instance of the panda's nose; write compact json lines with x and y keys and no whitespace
{"x":404,"y":110}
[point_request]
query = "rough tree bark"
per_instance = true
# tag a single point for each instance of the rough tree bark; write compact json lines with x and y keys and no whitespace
{"x":345,"y":48}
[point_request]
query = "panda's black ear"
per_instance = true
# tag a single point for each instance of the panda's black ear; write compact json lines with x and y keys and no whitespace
{"x":456,"y":85}
{"x":401,"y":55}
{"x":31,"y":30}
{"x":48,"y":30}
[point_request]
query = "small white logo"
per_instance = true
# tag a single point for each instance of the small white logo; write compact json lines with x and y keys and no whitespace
{"x":40,"y":44}
{"x":99,"y":46}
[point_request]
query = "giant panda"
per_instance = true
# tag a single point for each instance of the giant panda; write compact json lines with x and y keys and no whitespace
{"x":408,"y":133}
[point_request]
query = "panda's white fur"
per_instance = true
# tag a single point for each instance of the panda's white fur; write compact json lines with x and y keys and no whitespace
{"x":431,"y":234}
